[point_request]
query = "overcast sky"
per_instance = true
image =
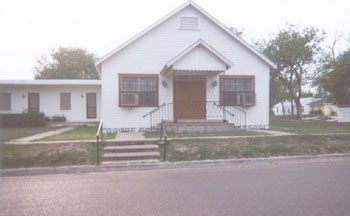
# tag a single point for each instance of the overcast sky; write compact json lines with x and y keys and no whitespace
{"x":31,"y":28}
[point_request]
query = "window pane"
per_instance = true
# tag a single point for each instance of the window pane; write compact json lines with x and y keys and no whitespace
{"x":129,"y":84}
{"x":65,"y":101}
{"x":5,"y":101}
{"x":147,"y":84}
{"x":229,"y":98}
{"x":147,"y":98}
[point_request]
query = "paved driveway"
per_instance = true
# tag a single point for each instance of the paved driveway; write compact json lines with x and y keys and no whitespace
{"x":294,"y":188}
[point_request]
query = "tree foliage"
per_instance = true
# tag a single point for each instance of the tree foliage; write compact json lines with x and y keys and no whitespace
{"x":66,"y":63}
{"x":293,"y":50}
{"x":337,"y":81}
{"x":332,"y":77}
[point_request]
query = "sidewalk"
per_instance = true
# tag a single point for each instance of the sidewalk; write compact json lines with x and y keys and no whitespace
{"x":130,"y":136}
{"x":138,"y":136}
{"x":172,"y":165}
{"x":42,"y":135}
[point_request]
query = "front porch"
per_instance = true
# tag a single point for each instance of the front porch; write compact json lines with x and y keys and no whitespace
{"x":197,"y":116}
{"x":194,"y":80}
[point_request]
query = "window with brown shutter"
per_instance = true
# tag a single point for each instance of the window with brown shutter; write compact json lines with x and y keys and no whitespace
{"x":65,"y":103}
{"x":5,"y":101}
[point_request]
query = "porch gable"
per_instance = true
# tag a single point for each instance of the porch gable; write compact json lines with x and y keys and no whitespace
{"x":199,"y":56}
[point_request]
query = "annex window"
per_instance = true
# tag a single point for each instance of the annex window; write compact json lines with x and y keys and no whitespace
{"x":65,"y":103}
{"x":237,"y":91}
{"x":5,"y":101}
{"x":189,"y":22}
{"x":138,"y":90}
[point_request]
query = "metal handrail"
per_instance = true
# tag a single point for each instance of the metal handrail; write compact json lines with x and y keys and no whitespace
{"x":154,"y":110}
{"x":221,"y":107}
{"x":213,"y":109}
{"x":99,"y":131}
{"x":163,"y":135}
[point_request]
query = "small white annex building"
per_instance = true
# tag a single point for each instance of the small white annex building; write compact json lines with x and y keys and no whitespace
{"x":186,"y":66}
{"x":77,"y":100}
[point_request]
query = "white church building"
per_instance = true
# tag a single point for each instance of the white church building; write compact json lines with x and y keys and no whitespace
{"x":186,"y":66}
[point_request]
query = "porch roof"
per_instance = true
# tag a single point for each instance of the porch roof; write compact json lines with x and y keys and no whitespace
{"x":199,"y":56}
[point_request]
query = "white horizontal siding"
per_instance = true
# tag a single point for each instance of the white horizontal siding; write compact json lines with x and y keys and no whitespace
{"x":151,"y":52}
{"x":49,"y":99}
{"x":200,"y":58}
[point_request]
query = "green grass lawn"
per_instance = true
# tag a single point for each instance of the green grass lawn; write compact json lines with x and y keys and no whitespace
{"x":178,"y":135}
{"x":47,"y":155}
{"x":8,"y":134}
{"x":202,"y":149}
{"x":309,"y":126}
{"x":44,"y":155}
{"x":78,"y":133}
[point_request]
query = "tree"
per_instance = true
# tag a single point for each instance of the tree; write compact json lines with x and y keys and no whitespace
{"x":294,"y":51}
{"x":66,"y":63}
{"x":339,"y":79}
{"x":324,"y":76}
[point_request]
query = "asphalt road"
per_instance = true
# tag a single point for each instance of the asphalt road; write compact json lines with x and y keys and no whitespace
{"x":316,"y":187}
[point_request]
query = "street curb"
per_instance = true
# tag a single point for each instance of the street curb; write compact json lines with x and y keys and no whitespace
{"x":159,"y":165}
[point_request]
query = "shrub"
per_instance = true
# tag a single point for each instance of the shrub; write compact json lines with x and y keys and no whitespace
{"x":30,"y":119}
{"x":58,"y":118}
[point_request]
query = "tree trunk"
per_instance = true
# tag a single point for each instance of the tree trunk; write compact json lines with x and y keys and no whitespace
{"x":299,"y":110}
{"x":292,"y":107}
{"x":283,"y":110}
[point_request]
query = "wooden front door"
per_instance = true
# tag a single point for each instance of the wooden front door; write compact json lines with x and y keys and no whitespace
{"x":91,"y":105}
{"x":189,"y":99}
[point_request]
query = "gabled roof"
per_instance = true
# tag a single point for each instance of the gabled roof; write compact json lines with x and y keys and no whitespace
{"x":322,"y":101}
{"x":223,"y":27}
{"x":197,"y":43}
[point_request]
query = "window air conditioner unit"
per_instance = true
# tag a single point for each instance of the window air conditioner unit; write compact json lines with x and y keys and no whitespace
{"x":246,"y":99}
{"x":129,"y":99}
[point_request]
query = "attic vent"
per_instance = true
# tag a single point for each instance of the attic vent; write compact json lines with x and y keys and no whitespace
{"x":190,"y":23}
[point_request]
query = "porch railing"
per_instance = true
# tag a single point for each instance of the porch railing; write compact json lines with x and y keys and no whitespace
{"x":163,"y":136}
{"x":208,"y":110}
{"x":99,"y":134}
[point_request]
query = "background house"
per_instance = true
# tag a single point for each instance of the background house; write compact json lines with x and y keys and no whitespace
{"x":324,"y":105}
{"x":284,"y":108}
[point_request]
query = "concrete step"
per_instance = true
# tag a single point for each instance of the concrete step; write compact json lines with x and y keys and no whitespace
{"x":132,"y":142}
{"x":201,"y":128}
{"x":130,"y":156}
{"x":131,"y":148}
{"x":197,"y":126}
{"x":130,"y":161}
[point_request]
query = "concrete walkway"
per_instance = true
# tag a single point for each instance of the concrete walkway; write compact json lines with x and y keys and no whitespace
{"x":276,"y":133}
{"x":126,"y":136}
{"x":42,"y":135}
{"x":138,"y":136}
